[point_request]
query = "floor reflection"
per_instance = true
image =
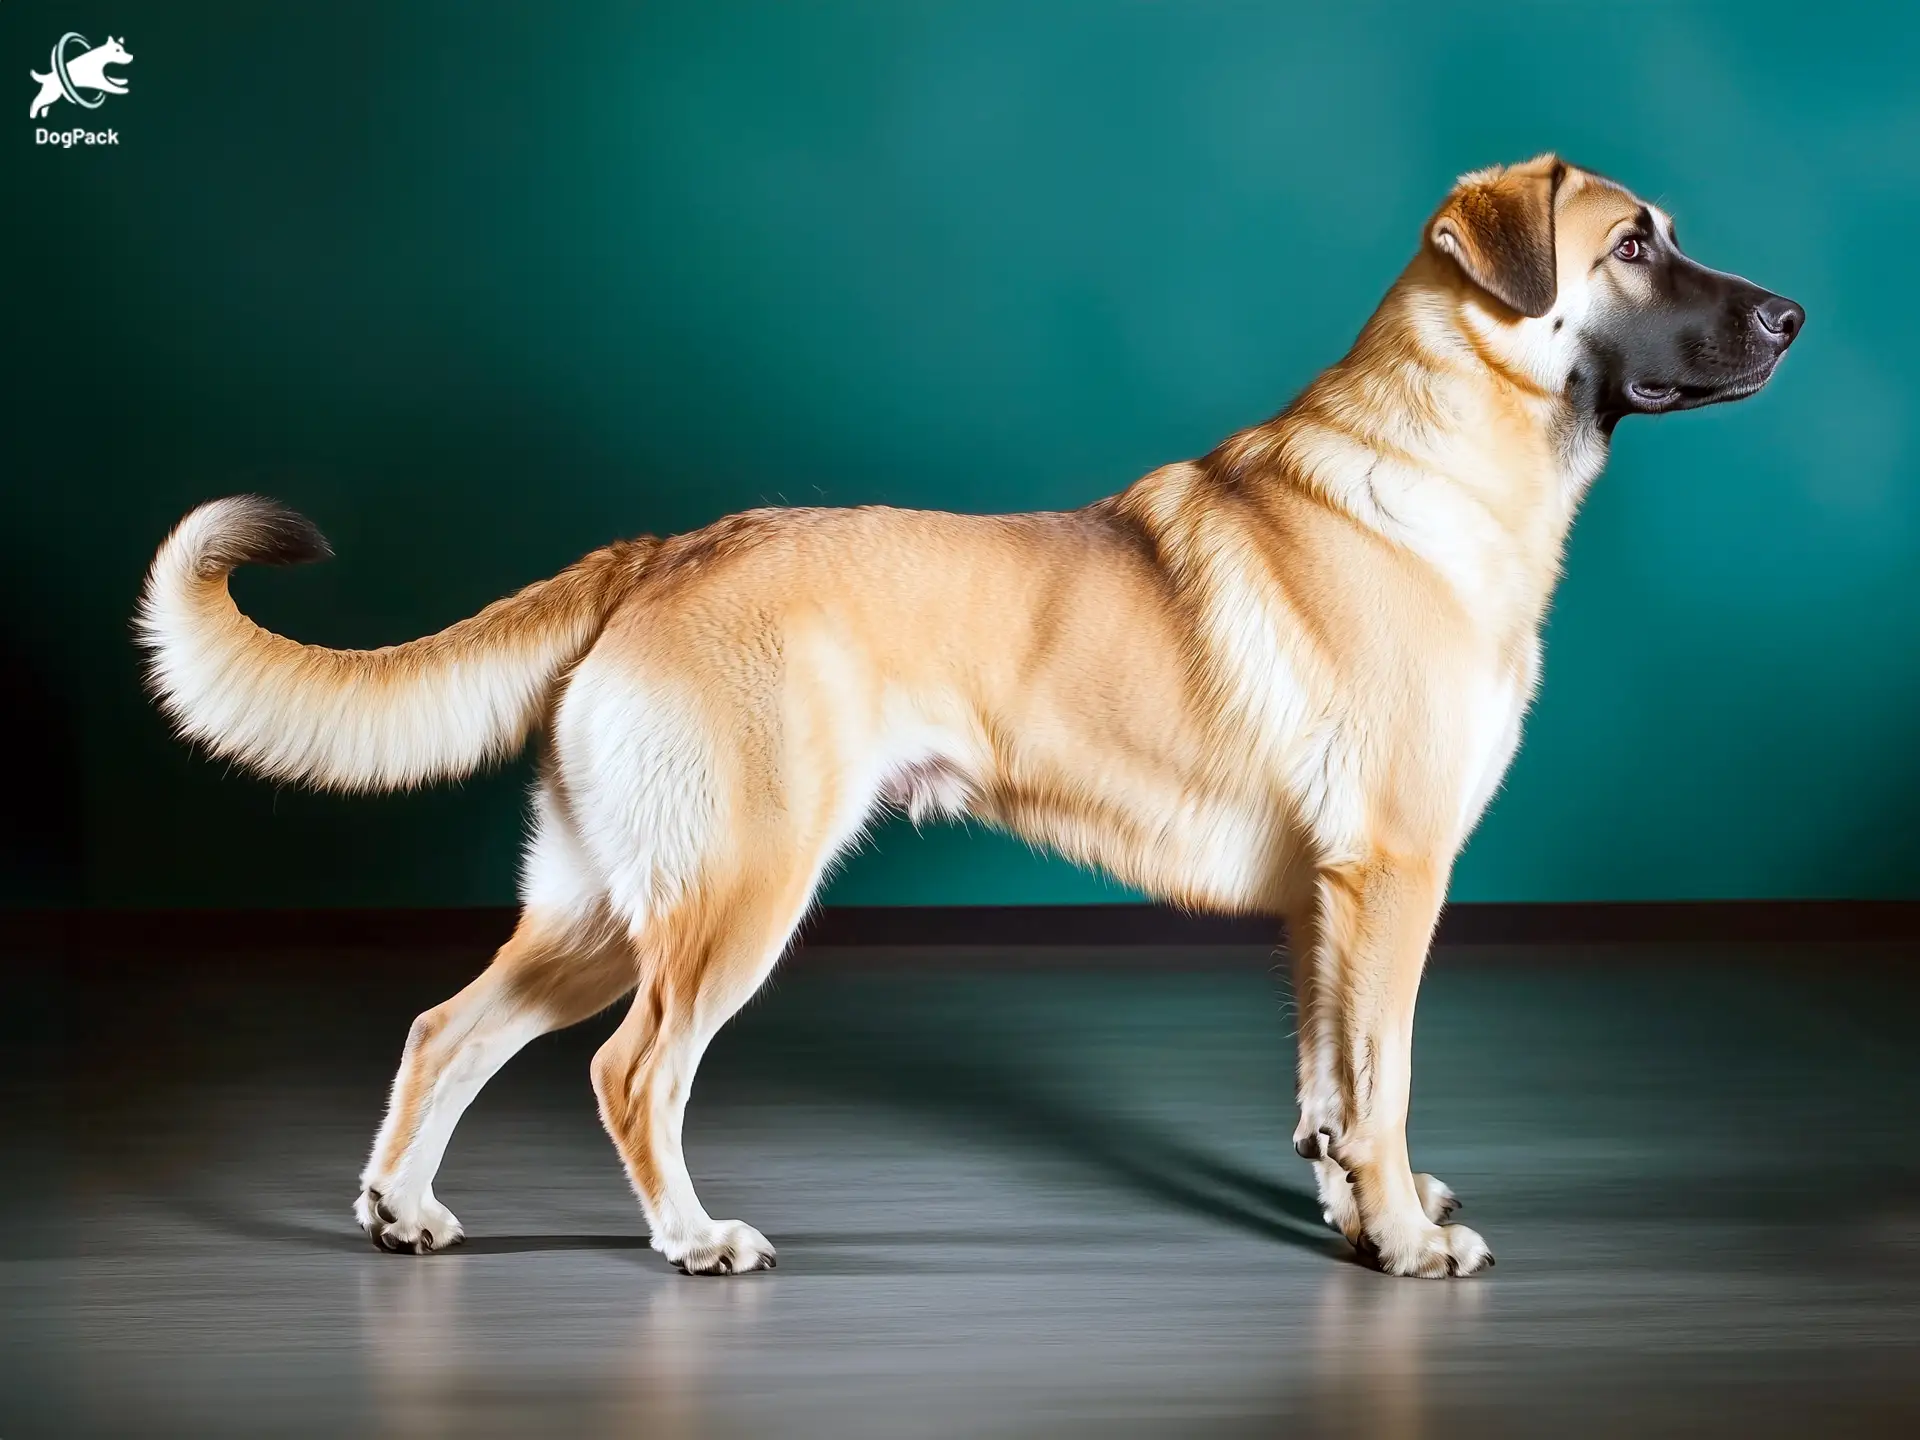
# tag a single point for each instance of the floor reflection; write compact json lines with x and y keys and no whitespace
{"x":1373,"y":1348}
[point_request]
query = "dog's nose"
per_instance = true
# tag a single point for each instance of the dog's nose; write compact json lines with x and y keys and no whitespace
{"x":1780,"y":318}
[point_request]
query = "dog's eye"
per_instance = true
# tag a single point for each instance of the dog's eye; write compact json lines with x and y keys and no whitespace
{"x":1630,"y":249}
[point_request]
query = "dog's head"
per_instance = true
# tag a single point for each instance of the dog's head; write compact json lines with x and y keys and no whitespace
{"x":1582,"y":286}
{"x":113,"y":52}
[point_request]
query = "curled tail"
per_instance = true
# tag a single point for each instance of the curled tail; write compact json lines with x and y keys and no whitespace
{"x":386,"y":719}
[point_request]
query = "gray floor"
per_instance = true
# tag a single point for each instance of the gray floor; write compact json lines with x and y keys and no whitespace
{"x":1043,"y":1199}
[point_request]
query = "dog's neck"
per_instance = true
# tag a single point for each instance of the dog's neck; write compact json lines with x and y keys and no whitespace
{"x":1428,"y":436}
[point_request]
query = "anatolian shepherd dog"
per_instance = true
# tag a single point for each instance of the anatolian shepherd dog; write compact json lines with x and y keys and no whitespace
{"x":1283,"y":678}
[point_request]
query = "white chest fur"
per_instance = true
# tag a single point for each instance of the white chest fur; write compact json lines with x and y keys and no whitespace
{"x":1497,"y":706}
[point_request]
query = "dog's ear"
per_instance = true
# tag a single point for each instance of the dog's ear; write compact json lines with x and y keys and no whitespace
{"x":1497,"y":226}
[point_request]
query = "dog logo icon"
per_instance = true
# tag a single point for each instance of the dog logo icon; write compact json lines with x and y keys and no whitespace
{"x":72,"y":73}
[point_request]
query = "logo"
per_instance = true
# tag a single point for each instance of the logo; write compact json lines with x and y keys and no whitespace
{"x":72,"y":73}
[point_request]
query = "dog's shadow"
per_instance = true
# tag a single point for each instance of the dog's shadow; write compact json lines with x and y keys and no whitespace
{"x":953,"y":1068}
{"x":959,"y":1073}
{"x":205,"y":1211}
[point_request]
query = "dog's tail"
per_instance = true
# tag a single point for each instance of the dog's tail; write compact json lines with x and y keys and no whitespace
{"x":386,"y":719}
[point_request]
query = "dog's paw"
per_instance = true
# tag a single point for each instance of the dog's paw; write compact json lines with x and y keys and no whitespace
{"x":401,"y":1229}
{"x":1436,"y":1199}
{"x":1429,"y":1252}
{"x":721,"y":1247}
{"x":1338,"y":1207}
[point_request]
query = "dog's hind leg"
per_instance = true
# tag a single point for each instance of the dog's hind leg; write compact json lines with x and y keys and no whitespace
{"x":700,"y":964}
{"x":566,"y":960}
{"x":547,"y":976}
{"x":1376,"y":920}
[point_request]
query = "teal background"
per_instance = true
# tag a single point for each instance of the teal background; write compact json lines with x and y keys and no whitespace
{"x":480,"y":287}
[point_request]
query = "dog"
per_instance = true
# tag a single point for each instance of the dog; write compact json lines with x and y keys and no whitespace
{"x":1284,"y":678}
{"x":87,"y":71}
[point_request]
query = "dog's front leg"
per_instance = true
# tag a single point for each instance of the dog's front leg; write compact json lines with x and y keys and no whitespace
{"x":1316,"y":1009}
{"x":1357,"y":963}
{"x":1323,"y":1112}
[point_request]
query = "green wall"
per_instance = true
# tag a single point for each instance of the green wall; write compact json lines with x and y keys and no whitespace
{"x":480,"y":287}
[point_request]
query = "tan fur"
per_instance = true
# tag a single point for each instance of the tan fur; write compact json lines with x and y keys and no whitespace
{"x":358,"y":719}
{"x":1285,"y":677}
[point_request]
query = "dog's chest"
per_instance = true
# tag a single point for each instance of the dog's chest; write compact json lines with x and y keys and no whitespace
{"x":1496,"y":709}
{"x":1349,"y":758}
